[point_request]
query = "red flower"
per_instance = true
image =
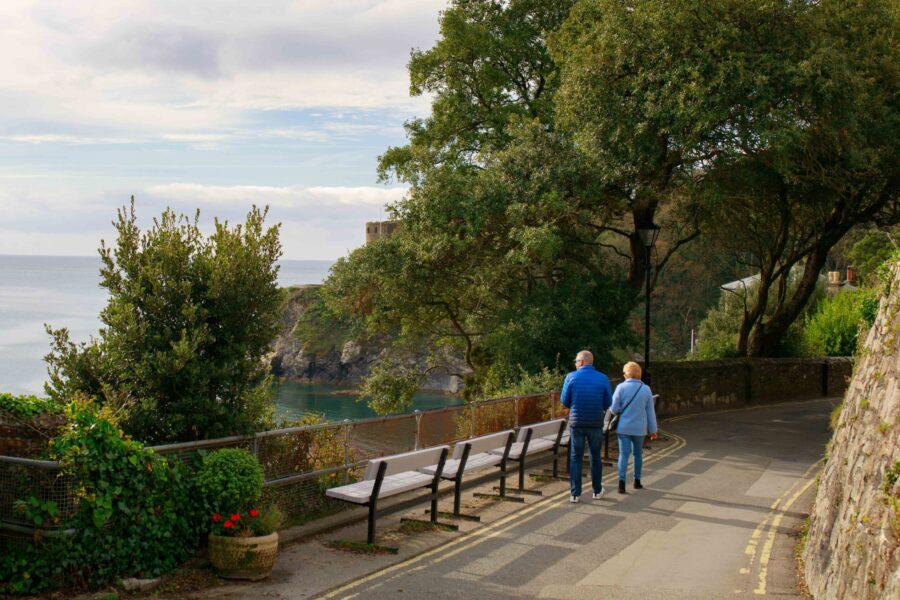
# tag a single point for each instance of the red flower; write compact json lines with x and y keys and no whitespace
{"x":217,"y":517}
{"x":254,"y":513}
{"x":236,"y":517}
{"x":228,"y":525}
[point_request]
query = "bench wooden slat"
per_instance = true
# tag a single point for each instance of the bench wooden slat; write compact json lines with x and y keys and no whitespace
{"x":548,"y":429}
{"x":408,"y":461}
{"x":484,"y":443}
{"x":361,"y":492}
{"x":473,"y":463}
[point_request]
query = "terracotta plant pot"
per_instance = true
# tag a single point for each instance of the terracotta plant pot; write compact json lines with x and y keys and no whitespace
{"x":243,"y":557}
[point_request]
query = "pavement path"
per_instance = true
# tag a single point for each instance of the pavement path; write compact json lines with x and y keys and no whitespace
{"x":719,"y":517}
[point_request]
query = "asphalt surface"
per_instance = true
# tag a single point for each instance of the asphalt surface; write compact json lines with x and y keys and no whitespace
{"x":726,"y":494}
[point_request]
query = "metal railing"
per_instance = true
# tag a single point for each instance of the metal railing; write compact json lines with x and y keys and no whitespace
{"x":300,"y":463}
{"x":45,"y":480}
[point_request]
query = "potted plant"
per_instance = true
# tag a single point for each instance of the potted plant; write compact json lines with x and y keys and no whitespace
{"x":243,"y":540}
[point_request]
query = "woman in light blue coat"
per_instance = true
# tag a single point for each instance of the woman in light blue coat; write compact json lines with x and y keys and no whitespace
{"x":633,"y":402}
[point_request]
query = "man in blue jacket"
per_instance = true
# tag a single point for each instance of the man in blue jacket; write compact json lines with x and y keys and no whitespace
{"x":587,"y":395}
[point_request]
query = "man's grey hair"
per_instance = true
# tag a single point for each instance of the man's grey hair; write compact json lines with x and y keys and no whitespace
{"x":586,"y":356}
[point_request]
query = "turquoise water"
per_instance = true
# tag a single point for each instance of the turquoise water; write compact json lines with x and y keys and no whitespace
{"x":66,"y":292}
{"x":334,"y":403}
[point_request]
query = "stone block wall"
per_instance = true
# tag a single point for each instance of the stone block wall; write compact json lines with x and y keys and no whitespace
{"x":698,"y":386}
{"x":853,"y":546}
{"x":27,"y":438}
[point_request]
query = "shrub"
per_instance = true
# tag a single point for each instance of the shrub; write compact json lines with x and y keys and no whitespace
{"x":187,"y":323}
{"x":230,"y":480}
{"x":136,"y":511}
{"x":834,"y":328}
{"x":25,"y":406}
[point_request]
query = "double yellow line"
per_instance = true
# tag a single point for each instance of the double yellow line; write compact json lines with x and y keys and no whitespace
{"x":499,"y":527}
{"x":776,"y":513}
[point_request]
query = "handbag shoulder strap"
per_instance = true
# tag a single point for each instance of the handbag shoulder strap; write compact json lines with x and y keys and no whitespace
{"x":640,"y":387}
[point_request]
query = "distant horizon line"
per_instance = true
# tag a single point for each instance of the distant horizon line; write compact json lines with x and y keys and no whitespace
{"x":331,"y":260}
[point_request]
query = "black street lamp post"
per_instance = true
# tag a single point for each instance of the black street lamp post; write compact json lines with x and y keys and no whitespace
{"x":648,"y":235}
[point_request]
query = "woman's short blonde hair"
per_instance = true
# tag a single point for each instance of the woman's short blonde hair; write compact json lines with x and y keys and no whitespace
{"x":632,"y":370}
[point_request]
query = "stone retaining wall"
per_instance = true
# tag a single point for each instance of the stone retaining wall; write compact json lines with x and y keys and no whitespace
{"x":28,"y":437}
{"x":697,"y":386}
{"x":853,"y":546}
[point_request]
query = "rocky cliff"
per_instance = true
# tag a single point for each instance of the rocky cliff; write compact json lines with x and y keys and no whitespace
{"x":853,"y":546}
{"x":336,"y":361}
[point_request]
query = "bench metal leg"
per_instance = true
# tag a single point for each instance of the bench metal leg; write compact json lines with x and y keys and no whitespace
{"x":370,"y":537}
{"x":505,"y":498}
{"x":449,"y":515}
{"x":434,"y":503}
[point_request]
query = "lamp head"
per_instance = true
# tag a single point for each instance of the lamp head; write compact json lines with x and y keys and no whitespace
{"x":649,"y":234}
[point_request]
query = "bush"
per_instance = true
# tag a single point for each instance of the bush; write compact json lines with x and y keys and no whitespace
{"x":137,"y":515}
{"x":25,"y":406}
{"x":834,"y":328}
{"x":185,"y":329}
{"x":230,"y":480}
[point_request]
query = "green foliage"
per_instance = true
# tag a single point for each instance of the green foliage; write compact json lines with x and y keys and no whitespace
{"x":891,"y":475}
{"x":833,"y":329}
{"x":268,"y":521}
{"x":502,"y":385}
{"x":489,"y":67}
{"x":779,"y":117}
{"x":247,"y":523}
{"x":718,"y":332}
{"x":230,"y":480}
{"x":137,"y":515}
{"x":389,"y":388}
{"x":874,"y":249}
{"x":24,"y":406}
{"x":187,"y":323}
{"x":495,"y":253}
{"x":835,"y":417}
{"x":320,"y":329}
{"x":41,"y":513}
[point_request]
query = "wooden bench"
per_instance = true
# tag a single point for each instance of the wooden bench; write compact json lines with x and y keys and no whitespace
{"x":474,"y":455}
{"x":392,"y":475}
{"x":533,"y":439}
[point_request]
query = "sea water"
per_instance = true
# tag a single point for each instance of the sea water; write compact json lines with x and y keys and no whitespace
{"x":64,"y":291}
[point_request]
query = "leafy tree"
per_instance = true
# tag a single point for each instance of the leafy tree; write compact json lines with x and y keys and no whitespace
{"x":718,"y":332}
{"x":184,"y":331}
{"x":489,"y":68}
{"x":781,"y":117}
{"x":500,"y":263}
{"x":871,"y":251}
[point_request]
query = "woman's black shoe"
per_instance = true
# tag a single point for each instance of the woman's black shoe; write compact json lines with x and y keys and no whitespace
{"x":621,"y":487}
{"x":637,"y":484}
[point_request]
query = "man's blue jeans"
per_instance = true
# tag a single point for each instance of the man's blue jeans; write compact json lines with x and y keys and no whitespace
{"x":577,"y":437}
{"x":627,"y":445}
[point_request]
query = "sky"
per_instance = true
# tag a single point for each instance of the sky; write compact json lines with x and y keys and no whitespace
{"x":209,"y":105}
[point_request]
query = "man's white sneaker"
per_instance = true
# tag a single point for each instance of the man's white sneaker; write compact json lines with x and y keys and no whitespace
{"x":598,"y":495}
{"x":573,"y":499}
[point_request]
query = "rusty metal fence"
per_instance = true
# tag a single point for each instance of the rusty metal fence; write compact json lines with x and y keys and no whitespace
{"x":300,"y":463}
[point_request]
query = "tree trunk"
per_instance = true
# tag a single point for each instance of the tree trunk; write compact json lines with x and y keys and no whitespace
{"x":765,"y":338}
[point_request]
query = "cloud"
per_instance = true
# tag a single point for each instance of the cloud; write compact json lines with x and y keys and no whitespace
{"x":285,"y":103}
{"x":54,"y":138}
{"x":286,"y":197}
{"x":151,"y":66}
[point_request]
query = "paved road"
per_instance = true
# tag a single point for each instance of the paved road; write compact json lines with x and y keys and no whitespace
{"x":718,"y":518}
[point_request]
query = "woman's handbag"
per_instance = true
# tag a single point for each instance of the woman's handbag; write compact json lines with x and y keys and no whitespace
{"x":611,"y":419}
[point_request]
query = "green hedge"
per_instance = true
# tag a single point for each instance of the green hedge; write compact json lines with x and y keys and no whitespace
{"x":25,"y":406}
{"x":138,"y":513}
